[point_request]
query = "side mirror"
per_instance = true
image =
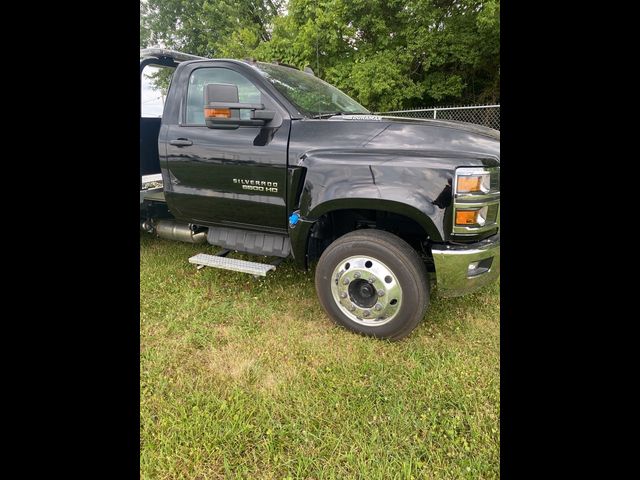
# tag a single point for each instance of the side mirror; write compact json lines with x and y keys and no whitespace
{"x":222,"y":109}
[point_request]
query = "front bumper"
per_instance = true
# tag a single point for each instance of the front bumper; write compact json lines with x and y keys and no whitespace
{"x":453,"y":276}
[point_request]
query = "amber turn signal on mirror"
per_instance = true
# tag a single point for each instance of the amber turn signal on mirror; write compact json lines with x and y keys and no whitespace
{"x":217,"y":113}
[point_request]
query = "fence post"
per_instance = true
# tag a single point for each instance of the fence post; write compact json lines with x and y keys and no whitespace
{"x":434,"y":113}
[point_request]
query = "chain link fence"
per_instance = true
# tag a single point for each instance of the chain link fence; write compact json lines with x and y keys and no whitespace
{"x":487,"y":115}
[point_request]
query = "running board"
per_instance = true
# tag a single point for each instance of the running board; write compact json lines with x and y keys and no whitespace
{"x":225,"y":263}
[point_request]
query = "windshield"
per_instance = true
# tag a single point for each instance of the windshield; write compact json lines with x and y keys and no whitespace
{"x":311,"y":95}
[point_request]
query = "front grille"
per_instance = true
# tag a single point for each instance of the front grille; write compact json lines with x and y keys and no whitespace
{"x":495,"y":180}
{"x":492,"y":213}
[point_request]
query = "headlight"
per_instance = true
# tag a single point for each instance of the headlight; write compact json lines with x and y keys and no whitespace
{"x":473,"y":183}
{"x":476,"y":200}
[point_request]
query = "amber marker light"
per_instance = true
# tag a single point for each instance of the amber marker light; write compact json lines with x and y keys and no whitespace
{"x":217,"y":113}
{"x":466,"y":217}
{"x":476,"y":217}
{"x":473,"y":183}
{"x":469,"y":184}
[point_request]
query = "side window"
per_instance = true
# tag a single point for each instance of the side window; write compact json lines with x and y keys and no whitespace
{"x":247,"y":92}
{"x":155,"y":83}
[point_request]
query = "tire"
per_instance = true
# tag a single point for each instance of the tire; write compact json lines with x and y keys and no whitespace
{"x":348,"y":296}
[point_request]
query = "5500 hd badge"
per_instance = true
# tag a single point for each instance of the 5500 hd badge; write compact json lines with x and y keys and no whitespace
{"x":257,"y":185}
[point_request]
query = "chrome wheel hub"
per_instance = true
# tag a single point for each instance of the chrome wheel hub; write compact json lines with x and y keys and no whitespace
{"x":366,"y":291}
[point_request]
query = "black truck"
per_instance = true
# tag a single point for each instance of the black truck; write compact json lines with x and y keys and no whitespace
{"x":269,"y":160}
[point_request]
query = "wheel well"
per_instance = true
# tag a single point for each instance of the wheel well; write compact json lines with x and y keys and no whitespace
{"x":333,"y":225}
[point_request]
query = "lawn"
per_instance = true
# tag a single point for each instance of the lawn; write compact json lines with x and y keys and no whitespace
{"x":244,"y":378}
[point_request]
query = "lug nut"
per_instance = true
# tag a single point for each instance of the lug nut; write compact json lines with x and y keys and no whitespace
{"x":372,"y":279}
{"x":378,"y":307}
{"x":345,"y":281}
{"x":381,"y":293}
{"x":356,"y":275}
{"x":343,"y":295}
{"x":352,"y":308}
{"x":365,"y":313}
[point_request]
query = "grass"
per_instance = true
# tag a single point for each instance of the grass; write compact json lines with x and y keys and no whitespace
{"x":244,"y":378}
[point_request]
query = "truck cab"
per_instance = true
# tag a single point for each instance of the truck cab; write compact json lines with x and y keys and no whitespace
{"x":269,"y":160}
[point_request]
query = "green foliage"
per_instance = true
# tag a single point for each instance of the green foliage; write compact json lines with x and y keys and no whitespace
{"x":208,"y":28}
{"x":159,"y":78}
{"x":386,"y":54}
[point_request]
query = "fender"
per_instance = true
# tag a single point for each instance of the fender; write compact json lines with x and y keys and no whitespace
{"x":415,"y":184}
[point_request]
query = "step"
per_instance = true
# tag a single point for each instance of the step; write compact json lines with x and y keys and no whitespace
{"x":156,"y":194}
{"x":215,"y":261}
{"x":156,"y":177}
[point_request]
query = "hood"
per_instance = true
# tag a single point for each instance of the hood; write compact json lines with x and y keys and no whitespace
{"x":394,"y":135}
{"x":464,"y":126}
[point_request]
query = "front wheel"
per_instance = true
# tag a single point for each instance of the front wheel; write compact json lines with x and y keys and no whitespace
{"x":374,"y":283}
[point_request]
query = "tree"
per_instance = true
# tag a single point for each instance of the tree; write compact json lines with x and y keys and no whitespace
{"x":387,"y":54}
{"x":210,"y":28}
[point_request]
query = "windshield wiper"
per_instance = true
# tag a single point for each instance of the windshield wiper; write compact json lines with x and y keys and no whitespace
{"x":327,"y":114}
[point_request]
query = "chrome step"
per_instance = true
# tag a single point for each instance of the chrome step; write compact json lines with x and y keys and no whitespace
{"x":156,"y":177}
{"x":225,"y":263}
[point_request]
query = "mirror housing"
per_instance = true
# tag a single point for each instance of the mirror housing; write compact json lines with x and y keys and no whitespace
{"x":222,"y":109}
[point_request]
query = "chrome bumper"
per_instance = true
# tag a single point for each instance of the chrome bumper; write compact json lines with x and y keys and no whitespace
{"x":453,"y":276}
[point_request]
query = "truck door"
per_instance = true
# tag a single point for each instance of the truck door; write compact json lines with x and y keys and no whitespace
{"x":216,"y":176}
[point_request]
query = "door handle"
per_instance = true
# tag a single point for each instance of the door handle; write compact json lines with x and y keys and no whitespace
{"x":181,"y":142}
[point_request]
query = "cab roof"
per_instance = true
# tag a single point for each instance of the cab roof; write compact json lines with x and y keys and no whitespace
{"x":163,"y":54}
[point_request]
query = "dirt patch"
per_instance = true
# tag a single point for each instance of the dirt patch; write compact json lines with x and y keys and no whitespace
{"x":287,"y":346}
